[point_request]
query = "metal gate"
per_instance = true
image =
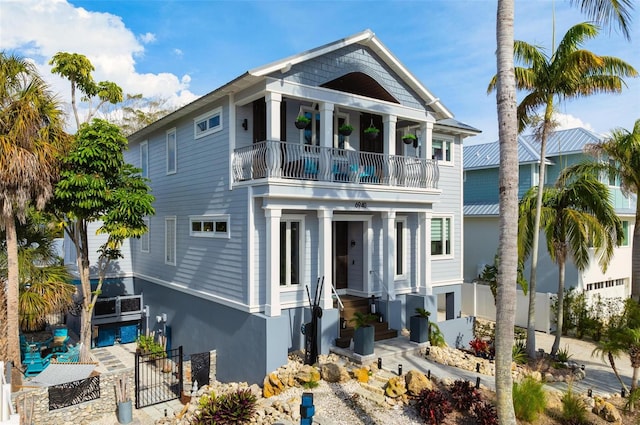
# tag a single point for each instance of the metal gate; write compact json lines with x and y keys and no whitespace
{"x":158,"y":379}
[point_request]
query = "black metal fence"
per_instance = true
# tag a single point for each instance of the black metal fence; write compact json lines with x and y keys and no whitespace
{"x":76,"y":392}
{"x":158,"y":379}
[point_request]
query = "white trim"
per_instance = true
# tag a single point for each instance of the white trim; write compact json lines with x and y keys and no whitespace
{"x":167,"y":221}
{"x":451,"y":143}
{"x":213,"y":233}
{"x":144,"y":165}
{"x":302,"y":248}
{"x":146,"y":236}
{"x":175,"y":151}
{"x":204,"y":118}
{"x":451,"y":254}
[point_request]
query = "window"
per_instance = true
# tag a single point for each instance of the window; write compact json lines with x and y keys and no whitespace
{"x":291,"y":251}
{"x":170,"y":241}
{"x":144,"y":239}
{"x":625,"y":233}
{"x":612,"y":176}
{"x":441,"y":236}
{"x":310,"y":135}
{"x":144,"y":159}
{"x":210,"y":226}
{"x":401,"y":242}
{"x":208,"y":123}
{"x":441,"y":150}
{"x":172,"y":159}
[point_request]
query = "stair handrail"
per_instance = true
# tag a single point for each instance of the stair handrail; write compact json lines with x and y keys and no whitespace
{"x":333,"y":289}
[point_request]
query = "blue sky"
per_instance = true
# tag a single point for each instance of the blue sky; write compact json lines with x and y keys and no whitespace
{"x":180,"y":50}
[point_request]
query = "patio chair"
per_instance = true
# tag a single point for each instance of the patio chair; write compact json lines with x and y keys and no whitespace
{"x":72,"y":355}
{"x":59,"y":340}
{"x":34,"y":363}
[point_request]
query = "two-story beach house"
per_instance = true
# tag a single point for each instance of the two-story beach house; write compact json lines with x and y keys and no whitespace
{"x":564,"y":148}
{"x":254,"y":207}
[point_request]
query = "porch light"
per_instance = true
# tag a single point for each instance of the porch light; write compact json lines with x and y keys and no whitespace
{"x":353,"y":243}
{"x":245,"y":124}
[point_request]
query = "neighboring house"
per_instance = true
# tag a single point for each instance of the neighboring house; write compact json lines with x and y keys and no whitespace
{"x":564,"y":147}
{"x":251,"y":211}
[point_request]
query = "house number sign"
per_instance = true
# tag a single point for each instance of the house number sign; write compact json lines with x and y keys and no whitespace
{"x":361,"y":204}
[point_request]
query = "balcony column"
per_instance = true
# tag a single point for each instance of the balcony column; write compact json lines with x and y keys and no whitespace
{"x":326,"y":141}
{"x":273,"y":157}
{"x":423,"y":255}
{"x":272,"y":304}
{"x":426,"y":134}
{"x":325,"y":220}
{"x":389,"y":124}
{"x":389,"y":253}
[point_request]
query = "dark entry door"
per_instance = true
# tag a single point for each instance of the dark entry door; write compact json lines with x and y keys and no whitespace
{"x":341,"y":254}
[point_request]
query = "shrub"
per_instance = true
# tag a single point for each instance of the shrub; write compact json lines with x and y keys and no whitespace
{"x":436,"y":337}
{"x":232,"y":408}
{"x":563,"y":355}
{"x":464,"y":395}
{"x":519,"y":352}
{"x":433,"y":407}
{"x":573,"y":409}
{"x":479,"y":346}
{"x":310,"y":385}
{"x":529,"y":399}
{"x":485,"y":413}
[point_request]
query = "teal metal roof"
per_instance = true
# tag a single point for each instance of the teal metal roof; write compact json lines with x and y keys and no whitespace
{"x":481,"y":209}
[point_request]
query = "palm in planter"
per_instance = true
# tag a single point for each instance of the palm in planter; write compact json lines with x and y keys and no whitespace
{"x":419,"y":326}
{"x":364,"y":333}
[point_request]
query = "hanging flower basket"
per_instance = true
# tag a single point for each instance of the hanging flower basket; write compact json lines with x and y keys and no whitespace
{"x":409,"y":138}
{"x":302,"y":122}
{"x":371,"y":133}
{"x":345,"y":129}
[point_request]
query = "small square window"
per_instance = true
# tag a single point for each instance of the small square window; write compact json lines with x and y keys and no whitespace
{"x":208,"y":123}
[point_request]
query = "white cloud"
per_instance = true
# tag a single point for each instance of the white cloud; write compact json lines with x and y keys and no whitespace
{"x":177,"y":52}
{"x":567,"y":121}
{"x":38,"y":29}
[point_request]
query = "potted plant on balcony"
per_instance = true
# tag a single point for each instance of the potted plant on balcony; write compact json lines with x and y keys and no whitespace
{"x":345,"y":129}
{"x":419,"y":326}
{"x":302,"y":121}
{"x":364,"y":333}
{"x":371,"y":132}
{"x":409,"y":138}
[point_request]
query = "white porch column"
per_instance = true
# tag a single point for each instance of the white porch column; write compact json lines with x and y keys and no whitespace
{"x":326,"y":141}
{"x":389,"y":124}
{"x":389,"y":253}
{"x":325,"y":217}
{"x":426,"y":131}
{"x":272,"y":305}
{"x":273,"y":158}
{"x":423,"y":280}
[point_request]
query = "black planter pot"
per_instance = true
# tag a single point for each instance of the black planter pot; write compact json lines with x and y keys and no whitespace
{"x":345,"y":132}
{"x":343,"y":342}
{"x":419,"y":329}
{"x":301,"y":124}
{"x":363,"y":338}
{"x":371,"y":135}
{"x":408,"y":140}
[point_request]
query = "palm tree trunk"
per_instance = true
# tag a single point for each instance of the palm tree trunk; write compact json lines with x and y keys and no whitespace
{"x":508,"y":189}
{"x":612,"y":362}
{"x":634,"y":386}
{"x":12,"y":296}
{"x":560,"y":312}
{"x":635,"y":257}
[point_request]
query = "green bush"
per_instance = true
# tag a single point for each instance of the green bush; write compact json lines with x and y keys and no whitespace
{"x":519,"y":352}
{"x":232,"y":408}
{"x":563,"y":355}
{"x":529,"y":399}
{"x":573,"y":409}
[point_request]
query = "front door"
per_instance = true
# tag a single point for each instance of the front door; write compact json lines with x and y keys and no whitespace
{"x":341,"y":254}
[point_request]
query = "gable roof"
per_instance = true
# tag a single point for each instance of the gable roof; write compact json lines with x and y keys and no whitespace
{"x":366,"y":38}
{"x":560,"y":142}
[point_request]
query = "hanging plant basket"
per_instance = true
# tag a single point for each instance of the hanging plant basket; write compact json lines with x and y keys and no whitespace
{"x":302,"y":122}
{"x":371,"y":133}
{"x":345,"y":129}
{"x":409,"y":138}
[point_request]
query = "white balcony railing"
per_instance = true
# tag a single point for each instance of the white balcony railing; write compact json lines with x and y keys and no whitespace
{"x":274,"y":159}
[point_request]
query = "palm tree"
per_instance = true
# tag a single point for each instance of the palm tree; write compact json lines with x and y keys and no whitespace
{"x":507,"y":249}
{"x":576,"y":215}
{"x":31,"y":132}
{"x":570,"y":72}
{"x":607,"y":11}
{"x":619,"y":156}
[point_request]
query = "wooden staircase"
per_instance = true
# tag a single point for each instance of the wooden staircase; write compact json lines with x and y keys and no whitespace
{"x":353,"y":304}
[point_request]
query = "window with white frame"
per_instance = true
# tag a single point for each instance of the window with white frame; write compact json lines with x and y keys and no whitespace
{"x":625,"y":233}
{"x":144,"y":159}
{"x":441,"y":236}
{"x":170,"y":240}
{"x":441,"y":149}
{"x":209,"y":226}
{"x":211,"y":122}
{"x":401,"y":247}
{"x":172,"y":152}
{"x":310,"y":135}
{"x":144,"y":239}
{"x":291,"y":250}
{"x":612,"y":177}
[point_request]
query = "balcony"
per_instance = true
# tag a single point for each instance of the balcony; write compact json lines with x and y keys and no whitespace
{"x":282,"y":160}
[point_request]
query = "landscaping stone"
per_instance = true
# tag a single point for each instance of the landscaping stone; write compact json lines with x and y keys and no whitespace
{"x":416,"y":382}
{"x":607,"y":411}
{"x":396,"y":387}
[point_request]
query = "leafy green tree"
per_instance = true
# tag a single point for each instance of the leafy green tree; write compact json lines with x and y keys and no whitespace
{"x":77,"y":69}
{"x":576,"y":216}
{"x":618,"y":156}
{"x":97,"y":185}
{"x":44,"y":280}
{"x":136,"y":112}
{"x":569,"y":72}
{"x":31,"y":138}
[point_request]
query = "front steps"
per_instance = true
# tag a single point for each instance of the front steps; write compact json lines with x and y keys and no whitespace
{"x":351,"y":306}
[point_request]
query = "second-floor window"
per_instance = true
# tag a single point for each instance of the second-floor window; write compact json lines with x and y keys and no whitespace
{"x":441,"y":150}
{"x":625,"y":233}
{"x":208,"y":123}
{"x":210,"y":226}
{"x":144,"y":239}
{"x":172,"y":152}
{"x":612,"y":177}
{"x":170,"y":240}
{"x":441,"y":236}
{"x":144,"y":159}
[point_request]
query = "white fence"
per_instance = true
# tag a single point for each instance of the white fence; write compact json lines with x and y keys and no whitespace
{"x":477,"y":300}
